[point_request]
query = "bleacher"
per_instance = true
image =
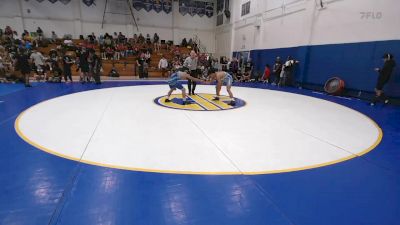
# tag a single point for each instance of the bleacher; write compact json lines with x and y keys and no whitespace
{"x":125,"y":66}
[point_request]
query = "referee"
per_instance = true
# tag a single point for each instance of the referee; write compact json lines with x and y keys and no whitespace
{"x":191,"y":63}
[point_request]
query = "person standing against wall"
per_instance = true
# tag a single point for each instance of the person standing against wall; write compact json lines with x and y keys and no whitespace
{"x":384,"y":76}
{"x":248,"y":68}
{"x":191,"y":63}
{"x":277,"y":70}
{"x":287,"y":77}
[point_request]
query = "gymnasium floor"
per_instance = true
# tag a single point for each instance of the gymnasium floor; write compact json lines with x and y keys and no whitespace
{"x":116,"y":154}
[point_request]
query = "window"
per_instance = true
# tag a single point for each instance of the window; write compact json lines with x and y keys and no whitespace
{"x":246,"y":8}
{"x":220,"y":19}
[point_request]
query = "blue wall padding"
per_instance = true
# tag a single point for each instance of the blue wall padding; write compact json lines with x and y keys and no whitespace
{"x":354,"y":63}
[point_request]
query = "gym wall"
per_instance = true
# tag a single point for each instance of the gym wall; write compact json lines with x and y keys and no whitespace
{"x":345,"y":38}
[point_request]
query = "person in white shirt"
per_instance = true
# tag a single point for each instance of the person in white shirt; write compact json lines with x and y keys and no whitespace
{"x":163,"y":65}
{"x":38,"y":59}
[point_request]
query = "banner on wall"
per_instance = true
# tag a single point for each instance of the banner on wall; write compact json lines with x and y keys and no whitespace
{"x":157,"y":5}
{"x":209,"y":9}
{"x":167,"y":6}
{"x":183,"y":7}
{"x":192,"y":8}
{"x":196,"y":8}
{"x":137,"y":4}
{"x":64,"y":1}
{"x":148,"y":5}
{"x":88,"y":2}
{"x":201,"y":9}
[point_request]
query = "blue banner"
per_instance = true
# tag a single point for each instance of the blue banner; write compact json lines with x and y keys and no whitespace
{"x":158,"y":5}
{"x":167,"y":6}
{"x":148,"y":5}
{"x":209,"y":9}
{"x":192,"y":8}
{"x":201,"y":9}
{"x":88,"y":2}
{"x":183,"y":7}
{"x":137,"y":4}
{"x":64,"y":1}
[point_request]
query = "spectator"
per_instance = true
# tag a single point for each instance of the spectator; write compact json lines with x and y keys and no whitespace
{"x":39,"y":61}
{"x":84,"y":66}
{"x":108,"y":41}
{"x":25,"y":36}
{"x":8,"y":32}
{"x":234,"y":66}
{"x":95,"y":66}
{"x":148,"y":39}
{"x":54,"y":37}
{"x":248,"y":67}
{"x":176,"y":64}
{"x":163,"y":65}
{"x":277,"y":70}
{"x":39,"y":32}
{"x":266,"y":78}
{"x":140,"y":63}
{"x":92,"y":38}
{"x":147,"y":57}
{"x":184,"y":43}
{"x":28,"y":45}
{"x":109,"y":53}
{"x":22,"y":64}
{"x":190,"y":43}
{"x":101,"y":40}
{"x":156,"y":41}
{"x":67,"y":63}
{"x":2,"y":67}
{"x":141,"y":39}
{"x":288,"y":69}
{"x":121,"y":38}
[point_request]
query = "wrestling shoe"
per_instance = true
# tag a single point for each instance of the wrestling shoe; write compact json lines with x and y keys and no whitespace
{"x":232,"y":103}
{"x":167,"y":100}
{"x":215,"y":99}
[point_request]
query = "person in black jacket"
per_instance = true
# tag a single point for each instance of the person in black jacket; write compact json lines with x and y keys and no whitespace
{"x":95,"y":66}
{"x":67,"y":63}
{"x":277,"y":70}
{"x":22,"y":64}
{"x":84,"y":65}
{"x":384,"y":76}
